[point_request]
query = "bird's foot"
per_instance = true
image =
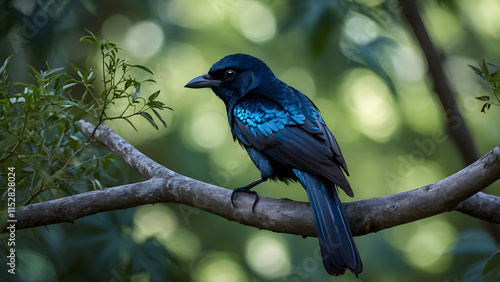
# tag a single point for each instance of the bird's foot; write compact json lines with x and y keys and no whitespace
{"x":245,"y":189}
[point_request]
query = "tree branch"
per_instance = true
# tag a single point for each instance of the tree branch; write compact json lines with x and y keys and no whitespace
{"x":278,"y":215}
{"x":455,"y":123}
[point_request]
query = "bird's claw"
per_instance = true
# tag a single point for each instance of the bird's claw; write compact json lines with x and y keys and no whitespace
{"x":245,"y":190}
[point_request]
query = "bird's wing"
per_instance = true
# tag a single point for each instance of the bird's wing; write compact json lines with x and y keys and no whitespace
{"x":290,"y":137}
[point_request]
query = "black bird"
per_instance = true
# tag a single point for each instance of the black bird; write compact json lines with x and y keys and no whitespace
{"x":287,"y":139}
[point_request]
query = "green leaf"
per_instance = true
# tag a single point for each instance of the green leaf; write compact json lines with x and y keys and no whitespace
{"x":110,"y":46}
{"x":34,"y":71}
{"x":90,"y":32}
{"x":96,"y":184}
{"x":5,"y":64}
{"x":153,"y":96}
{"x":483,"y":98}
{"x":159,"y":117}
{"x":5,"y":103}
{"x":73,"y":66}
{"x":476,"y":70}
{"x":142,"y":68}
{"x":155,"y":104}
{"x":149,"y":80}
{"x":492,"y":264}
{"x":149,"y":118}
{"x":135,"y":95}
{"x":485,"y":107}
{"x":485,"y":70}
{"x":129,"y":122}
{"x":91,"y":40}
{"x":68,"y":85}
{"x":128,"y":82}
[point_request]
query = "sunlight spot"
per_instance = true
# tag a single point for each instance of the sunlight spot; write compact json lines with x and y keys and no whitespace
{"x":417,"y":101}
{"x":115,"y":28}
{"x":254,"y":21}
{"x":267,"y":256}
{"x":360,"y":29}
{"x":408,"y":65}
{"x":219,"y":267}
{"x":183,"y":243}
{"x":426,"y":243}
{"x":484,"y":16}
{"x":146,"y":219}
{"x":208,"y":130}
{"x":372,"y":104}
{"x":444,"y":27}
{"x":188,"y":13}
{"x":425,"y":248}
{"x":144,"y":39}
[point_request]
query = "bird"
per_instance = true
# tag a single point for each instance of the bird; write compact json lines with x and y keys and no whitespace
{"x":288,"y":140}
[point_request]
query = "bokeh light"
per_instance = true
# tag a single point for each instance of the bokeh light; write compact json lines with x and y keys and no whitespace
{"x":219,"y":267}
{"x":144,"y":39}
{"x":425,"y":243}
{"x":209,"y":128}
{"x":408,"y":65}
{"x":115,"y":28}
{"x":372,"y":104}
{"x":267,"y":255}
{"x":183,"y":243}
{"x":360,"y":29}
{"x":254,"y":20}
{"x":190,"y":13}
{"x":484,"y":16}
{"x":151,"y":221}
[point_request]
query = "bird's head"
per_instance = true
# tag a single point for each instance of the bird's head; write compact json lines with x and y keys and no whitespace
{"x":234,"y":76}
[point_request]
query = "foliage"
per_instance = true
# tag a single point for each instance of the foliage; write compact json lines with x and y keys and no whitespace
{"x":39,"y":125}
{"x":493,"y":82}
{"x":492,"y":267}
{"x":40,"y":139}
{"x":106,"y":238}
{"x":322,"y":20}
{"x":119,"y":85}
{"x":479,"y":244}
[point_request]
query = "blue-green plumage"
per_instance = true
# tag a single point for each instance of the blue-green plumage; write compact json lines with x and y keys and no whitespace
{"x":287,"y":139}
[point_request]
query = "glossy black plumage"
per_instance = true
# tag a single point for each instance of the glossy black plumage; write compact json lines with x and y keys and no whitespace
{"x":287,"y":139}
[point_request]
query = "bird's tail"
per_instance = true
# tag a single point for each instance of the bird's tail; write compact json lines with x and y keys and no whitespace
{"x":338,"y":250}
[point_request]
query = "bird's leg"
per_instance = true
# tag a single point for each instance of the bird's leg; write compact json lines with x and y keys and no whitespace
{"x":246,"y":189}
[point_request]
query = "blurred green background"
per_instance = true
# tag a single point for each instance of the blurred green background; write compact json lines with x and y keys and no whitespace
{"x":357,"y":61}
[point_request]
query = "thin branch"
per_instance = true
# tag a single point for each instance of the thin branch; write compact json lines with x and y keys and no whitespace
{"x":279,"y":215}
{"x":455,"y":123}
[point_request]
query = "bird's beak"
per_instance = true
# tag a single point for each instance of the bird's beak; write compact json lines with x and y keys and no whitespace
{"x":203,"y":81}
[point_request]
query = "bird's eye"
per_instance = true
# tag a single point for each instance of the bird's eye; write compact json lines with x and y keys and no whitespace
{"x":229,"y":74}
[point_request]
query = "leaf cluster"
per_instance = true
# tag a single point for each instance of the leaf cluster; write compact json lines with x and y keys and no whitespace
{"x":479,"y":244}
{"x":119,"y":85}
{"x":493,"y":81}
{"x":39,"y":134}
{"x":106,"y":243}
